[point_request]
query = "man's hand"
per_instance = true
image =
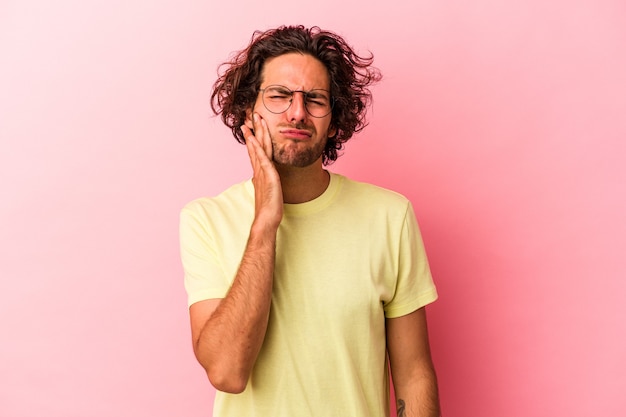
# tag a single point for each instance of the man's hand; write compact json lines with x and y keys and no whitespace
{"x":228,"y":333}
{"x":268,"y":195}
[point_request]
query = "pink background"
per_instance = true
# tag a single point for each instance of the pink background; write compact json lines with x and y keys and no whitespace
{"x":504,"y":122}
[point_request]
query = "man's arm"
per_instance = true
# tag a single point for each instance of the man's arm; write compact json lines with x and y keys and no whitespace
{"x":227,"y":334}
{"x":414,"y":378}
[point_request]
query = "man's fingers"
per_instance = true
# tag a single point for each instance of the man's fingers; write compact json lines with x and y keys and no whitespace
{"x":267,"y":140}
{"x":252,"y":146}
{"x":246,"y":132}
{"x":256,"y":153}
{"x":262,"y":134}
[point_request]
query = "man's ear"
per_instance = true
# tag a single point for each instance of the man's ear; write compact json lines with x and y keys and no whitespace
{"x":332,"y":130}
{"x":248,"y":121}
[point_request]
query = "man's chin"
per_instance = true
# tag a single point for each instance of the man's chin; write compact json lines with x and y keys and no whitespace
{"x":290,"y":157}
{"x":295,"y":162}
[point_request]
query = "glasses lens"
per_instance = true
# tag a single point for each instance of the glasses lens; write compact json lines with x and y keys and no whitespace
{"x":318,"y":103}
{"x":277,"y":99}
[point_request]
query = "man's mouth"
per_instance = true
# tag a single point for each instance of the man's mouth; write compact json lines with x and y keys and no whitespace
{"x":300,"y":134}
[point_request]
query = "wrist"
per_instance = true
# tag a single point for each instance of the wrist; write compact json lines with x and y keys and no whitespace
{"x":264,"y":228}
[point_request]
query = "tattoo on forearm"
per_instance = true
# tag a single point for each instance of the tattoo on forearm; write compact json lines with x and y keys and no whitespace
{"x":400,"y":408}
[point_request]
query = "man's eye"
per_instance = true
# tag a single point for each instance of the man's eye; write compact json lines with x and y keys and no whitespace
{"x":317,"y":99}
{"x":277,"y":95}
{"x":317,"y":102}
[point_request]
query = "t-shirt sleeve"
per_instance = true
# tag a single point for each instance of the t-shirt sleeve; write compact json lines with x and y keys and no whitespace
{"x":203,"y":275}
{"x":414,"y":286}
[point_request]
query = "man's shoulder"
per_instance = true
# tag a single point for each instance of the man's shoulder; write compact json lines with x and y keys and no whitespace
{"x":372,"y":193}
{"x":233,"y":196}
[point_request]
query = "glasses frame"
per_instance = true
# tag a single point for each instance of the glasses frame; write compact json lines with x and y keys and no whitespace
{"x":304,"y":93}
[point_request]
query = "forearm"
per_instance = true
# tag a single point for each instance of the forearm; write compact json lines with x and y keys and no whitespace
{"x":229,"y":342}
{"x":418,"y":397}
{"x":231,"y":339}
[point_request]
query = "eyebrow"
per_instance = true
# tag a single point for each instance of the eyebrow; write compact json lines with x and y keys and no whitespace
{"x":318,"y":92}
{"x":296,"y":89}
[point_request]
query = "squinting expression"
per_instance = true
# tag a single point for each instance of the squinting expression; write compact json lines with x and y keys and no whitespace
{"x":298,"y":138}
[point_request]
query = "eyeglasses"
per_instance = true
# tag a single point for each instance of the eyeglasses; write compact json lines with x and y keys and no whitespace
{"x":278,"y":98}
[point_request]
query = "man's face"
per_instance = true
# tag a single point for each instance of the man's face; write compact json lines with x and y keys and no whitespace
{"x":298,"y":138}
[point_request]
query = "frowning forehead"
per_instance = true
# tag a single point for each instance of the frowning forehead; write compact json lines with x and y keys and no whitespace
{"x":295,"y":71}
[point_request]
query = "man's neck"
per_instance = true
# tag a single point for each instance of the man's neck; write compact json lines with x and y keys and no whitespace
{"x":303,"y":184}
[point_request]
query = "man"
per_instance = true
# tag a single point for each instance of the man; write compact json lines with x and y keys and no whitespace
{"x":302,"y":282}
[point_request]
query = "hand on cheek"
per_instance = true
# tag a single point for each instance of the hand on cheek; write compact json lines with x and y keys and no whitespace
{"x":262,"y":134}
{"x":267,"y":186}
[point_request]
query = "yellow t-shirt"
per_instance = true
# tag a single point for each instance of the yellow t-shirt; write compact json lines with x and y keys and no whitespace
{"x":344,"y":262}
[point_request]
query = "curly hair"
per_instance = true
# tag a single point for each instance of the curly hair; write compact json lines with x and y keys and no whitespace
{"x":236,"y":89}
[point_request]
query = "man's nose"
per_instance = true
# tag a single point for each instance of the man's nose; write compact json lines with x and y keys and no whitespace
{"x":297,"y":109}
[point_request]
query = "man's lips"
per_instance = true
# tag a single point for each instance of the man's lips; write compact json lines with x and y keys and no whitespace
{"x":295,"y":133}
